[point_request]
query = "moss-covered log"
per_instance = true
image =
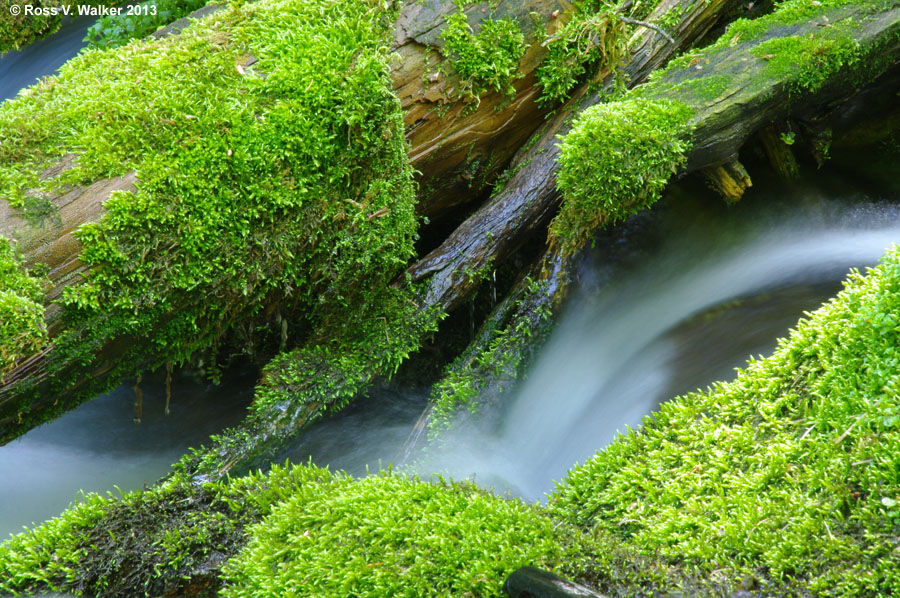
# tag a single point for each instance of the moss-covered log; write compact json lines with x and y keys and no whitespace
{"x":467,"y":105}
{"x":800,"y":61}
{"x":470,"y":79}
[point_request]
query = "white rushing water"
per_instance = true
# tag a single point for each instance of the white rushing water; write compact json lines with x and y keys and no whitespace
{"x":615,"y":355}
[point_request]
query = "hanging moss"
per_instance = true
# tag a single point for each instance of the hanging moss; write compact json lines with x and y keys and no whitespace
{"x":487,"y":61}
{"x":790,"y":472}
{"x":22,"y":328}
{"x":593,"y":38}
{"x":616,"y":160}
{"x":278,"y":187}
{"x":497,"y":358}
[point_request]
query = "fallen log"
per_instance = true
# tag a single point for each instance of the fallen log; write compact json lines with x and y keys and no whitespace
{"x":734,"y":89}
{"x":459,"y":128}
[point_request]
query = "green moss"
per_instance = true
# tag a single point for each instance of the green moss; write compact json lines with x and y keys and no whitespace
{"x":808,"y":62}
{"x":335,"y":535}
{"x":281,"y":188}
{"x":331,"y":371}
{"x":22,"y":327}
{"x":616,"y":160}
{"x":487,"y":61}
{"x":149,"y":542}
{"x":496,"y":359}
{"x":791,"y":470}
{"x":593,"y":38}
{"x":116,"y":30}
{"x":391,"y":536}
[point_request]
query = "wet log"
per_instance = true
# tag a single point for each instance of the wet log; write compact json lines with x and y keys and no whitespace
{"x":750,"y":96}
{"x":529,"y":199}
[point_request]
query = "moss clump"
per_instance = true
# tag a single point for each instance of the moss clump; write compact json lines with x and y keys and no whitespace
{"x":486,"y":61}
{"x":391,"y":536}
{"x":22,"y":327}
{"x":791,"y":471}
{"x":151,"y":542}
{"x":280,"y":189}
{"x":616,"y":160}
{"x":334,"y":535}
{"x":592,"y":39}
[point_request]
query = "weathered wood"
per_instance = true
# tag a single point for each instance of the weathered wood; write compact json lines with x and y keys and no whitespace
{"x":776,"y":142}
{"x":729,"y":179}
{"x":530,"y":198}
{"x":721,"y":126}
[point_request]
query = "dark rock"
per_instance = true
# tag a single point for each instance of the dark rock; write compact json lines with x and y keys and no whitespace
{"x":529,"y":582}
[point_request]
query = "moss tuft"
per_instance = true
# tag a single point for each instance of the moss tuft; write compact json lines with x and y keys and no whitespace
{"x":592,"y":39}
{"x":616,"y":160}
{"x":487,"y":61}
{"x":388,"y":535}
{"x":22,"y":327}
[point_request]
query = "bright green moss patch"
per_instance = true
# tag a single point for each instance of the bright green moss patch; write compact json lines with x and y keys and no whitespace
{"x":391,"y":536}
{"x":486,"y":61}
{"x":594,"y":37}
{"x":615,"y":161}
{"x":275,"y":190}
{"x":22,"y":328}
{"x":808,"y":62}
{"x":792,"y":470}
{"x":318,"y":534}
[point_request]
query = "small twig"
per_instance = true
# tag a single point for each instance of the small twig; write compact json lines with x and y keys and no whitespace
{"x":648,"y":26}
{"x":848,"y":430}
{"x":168,"y":385}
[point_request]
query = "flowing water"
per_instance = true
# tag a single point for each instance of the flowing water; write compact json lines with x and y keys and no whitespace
{"x":669,"y":303}
{"x":19,"y":69}
{"x":99,"y":446}
{"x":719,"y":286}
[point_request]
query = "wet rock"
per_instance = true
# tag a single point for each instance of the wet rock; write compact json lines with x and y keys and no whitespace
{"x":529,"y":582}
